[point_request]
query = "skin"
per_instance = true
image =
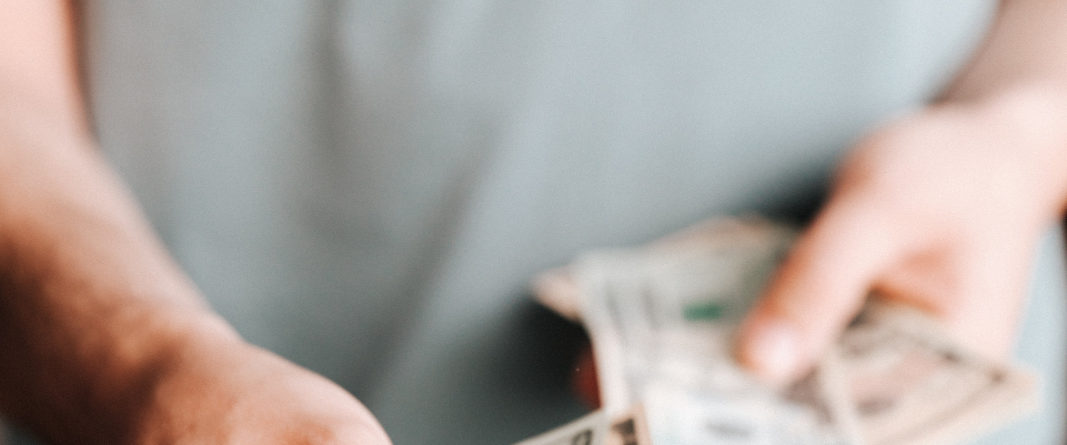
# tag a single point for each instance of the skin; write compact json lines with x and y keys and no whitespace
{"x":104,"y":340}
{"x":941,"y":209}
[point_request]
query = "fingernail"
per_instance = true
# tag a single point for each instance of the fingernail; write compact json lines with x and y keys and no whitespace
{"x":772,"y":351}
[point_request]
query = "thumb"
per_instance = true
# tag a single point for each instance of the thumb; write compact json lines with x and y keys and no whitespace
{"x":818,"y":289}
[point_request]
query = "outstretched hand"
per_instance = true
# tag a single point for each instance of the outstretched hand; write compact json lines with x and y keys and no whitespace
{"x":941,"y":210}
{"x":222,"y":390}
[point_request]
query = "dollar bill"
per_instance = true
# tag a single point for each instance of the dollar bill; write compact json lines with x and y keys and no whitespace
{"x":662,"y":319}
{"x":662,"y":326}
{"x":631,"y":428}
{"x":908,"y":383}
{"x":596,"y":429}
{"x":588,"y":430}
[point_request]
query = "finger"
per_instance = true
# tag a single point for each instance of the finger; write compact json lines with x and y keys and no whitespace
{"x":819,"y":287}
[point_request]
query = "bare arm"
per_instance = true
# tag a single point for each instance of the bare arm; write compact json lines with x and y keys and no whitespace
{"x":86,"y":294}
{"x":1027,"y":48}
{"x":941,"y":209}
{"x":102,"y":338}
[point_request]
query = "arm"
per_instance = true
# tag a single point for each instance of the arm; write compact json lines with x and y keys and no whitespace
{"x":102,"y":338}
{"x":941,"y":209}
{"x":78,"y":269}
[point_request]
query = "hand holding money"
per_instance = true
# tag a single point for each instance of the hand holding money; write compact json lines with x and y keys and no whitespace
{"x":941,"y":210}
{"x":663,"y":318}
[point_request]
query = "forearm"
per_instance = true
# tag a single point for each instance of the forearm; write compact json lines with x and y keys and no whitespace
{"x":1026,"y":48}
{"x":1021,"y":67}
{"x":91,"y":308}
{"x":1017,"y":83}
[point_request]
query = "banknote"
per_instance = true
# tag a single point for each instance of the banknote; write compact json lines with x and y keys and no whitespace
{"x":662,"y":318}
{"x":662,"y":335}
{"x":629,"y":428}
{"x":597,"y":428}
{"x":908,"y":383}
{"x":588,"y":430}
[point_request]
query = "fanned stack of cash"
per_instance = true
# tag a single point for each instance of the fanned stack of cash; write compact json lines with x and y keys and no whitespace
{"x":661,"y":318}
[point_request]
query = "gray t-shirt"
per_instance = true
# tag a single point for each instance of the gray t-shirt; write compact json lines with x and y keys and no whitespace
{"x":366,"y":187}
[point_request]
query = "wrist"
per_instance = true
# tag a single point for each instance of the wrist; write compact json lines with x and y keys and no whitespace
{"x":1030,"y":123}
{"x":93,"y":385}
{"x":162,"y":349}
{"x":1037,"y":110}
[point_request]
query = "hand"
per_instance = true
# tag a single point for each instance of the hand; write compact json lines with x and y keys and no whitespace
{"x":941,"y":210}
{"x":228,"y":392}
